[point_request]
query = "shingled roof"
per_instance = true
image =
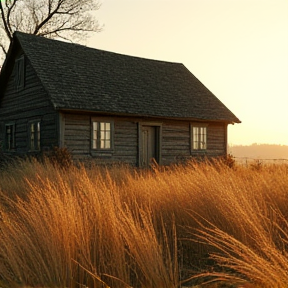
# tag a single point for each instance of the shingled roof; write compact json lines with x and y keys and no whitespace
{"x":81,"y":78}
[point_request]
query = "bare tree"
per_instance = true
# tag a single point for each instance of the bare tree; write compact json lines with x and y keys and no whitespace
{"x":66,"y":19}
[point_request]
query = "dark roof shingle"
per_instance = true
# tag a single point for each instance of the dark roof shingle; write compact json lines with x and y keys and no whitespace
{"x":82,"y":78}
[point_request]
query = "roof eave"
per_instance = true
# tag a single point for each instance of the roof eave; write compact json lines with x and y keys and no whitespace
{"x":83,"y":111}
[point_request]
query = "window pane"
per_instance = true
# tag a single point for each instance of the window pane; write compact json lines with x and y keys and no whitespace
{"x":10,"y":143}
{"x":105,"y":135}
{"x":102,"y":145}
{"x":204,"y":140}
{"x":199,"y":138}
{"x":32,"y":137}
{"x":102,"y":126}
{"x":8,"y":137}
{"x":94,"y":135}
{"x":107,"y":145}
{"x":95,"y":126}
{"x":35,"y":136}
{"x":102,"y":137}
{"x":38,"y":136}
{"x":195,"y":137}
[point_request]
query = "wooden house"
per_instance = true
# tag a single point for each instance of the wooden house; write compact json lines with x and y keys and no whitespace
{"x":105,"y":106}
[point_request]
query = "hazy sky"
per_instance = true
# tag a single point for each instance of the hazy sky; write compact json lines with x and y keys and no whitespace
{"x":237,"y":48}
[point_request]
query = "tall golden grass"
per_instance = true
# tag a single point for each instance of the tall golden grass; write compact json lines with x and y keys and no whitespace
{"x":121,"y":227}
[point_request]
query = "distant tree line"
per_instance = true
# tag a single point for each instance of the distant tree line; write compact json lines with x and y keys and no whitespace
{"x":259,"y":151}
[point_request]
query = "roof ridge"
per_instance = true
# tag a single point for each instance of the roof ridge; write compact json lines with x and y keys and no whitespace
{"x":93,"y":48}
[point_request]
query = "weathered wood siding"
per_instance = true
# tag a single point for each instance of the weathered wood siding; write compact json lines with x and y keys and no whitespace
{"x":217,"y":139}
{"x":175,"y":139}
{"x":28,"y":104}
{"x":76,"y":131}
{"x":77,"y":138}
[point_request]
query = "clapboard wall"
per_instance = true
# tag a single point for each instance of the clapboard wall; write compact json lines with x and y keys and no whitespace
{"x":28,"y":104}
{"x":175,"y":139}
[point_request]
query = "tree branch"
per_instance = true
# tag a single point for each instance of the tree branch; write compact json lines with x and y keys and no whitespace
{"x":3,"y":49}
{"x":9,"y":15}
{"x":4,"y":20}
{"x":50,"y":18}
{"x":37,"y":28}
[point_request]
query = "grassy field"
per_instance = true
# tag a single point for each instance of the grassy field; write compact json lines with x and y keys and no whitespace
{"x":120,"y":227}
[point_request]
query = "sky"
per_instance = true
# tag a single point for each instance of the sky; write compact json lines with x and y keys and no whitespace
{"x":237,"y":48}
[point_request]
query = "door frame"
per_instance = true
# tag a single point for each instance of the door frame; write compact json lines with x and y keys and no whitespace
{"x":158,"y":138}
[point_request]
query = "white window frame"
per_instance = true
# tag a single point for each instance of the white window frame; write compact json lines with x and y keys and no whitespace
{"x":199,"y":137}
{"x":102,"y":134}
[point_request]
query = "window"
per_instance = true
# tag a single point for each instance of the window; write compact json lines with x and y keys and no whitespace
{"x":199,"y":137}
{"x":20,"y":73}
{"x":34,"y":136}
{"x":10,"y":137}
{"x":101,"y":135}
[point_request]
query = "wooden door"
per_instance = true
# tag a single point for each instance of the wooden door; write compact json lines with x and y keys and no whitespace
{"x":149,"y":150}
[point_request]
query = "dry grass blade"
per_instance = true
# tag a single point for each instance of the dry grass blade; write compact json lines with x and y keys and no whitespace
{"x":265,"y":266}
{"x":126,"y":227}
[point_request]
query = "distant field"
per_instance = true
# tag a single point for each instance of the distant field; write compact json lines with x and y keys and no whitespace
{"x":121,"y":227}
{"x":266,"y":152}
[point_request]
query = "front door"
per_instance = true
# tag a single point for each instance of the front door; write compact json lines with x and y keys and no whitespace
{"x":149,"y":146}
